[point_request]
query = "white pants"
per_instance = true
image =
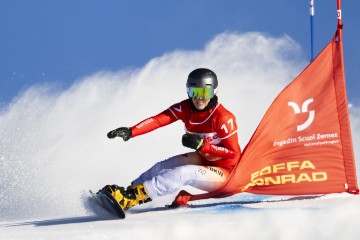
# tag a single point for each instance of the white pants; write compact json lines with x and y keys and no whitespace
{"x":170,"y":175}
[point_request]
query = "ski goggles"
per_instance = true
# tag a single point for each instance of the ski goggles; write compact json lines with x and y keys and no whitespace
{"x":204,"y":93}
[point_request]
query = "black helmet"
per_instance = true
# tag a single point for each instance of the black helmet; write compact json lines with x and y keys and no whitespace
{"x":202,"y":78}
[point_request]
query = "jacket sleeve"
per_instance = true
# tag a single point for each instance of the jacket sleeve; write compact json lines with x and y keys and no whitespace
{"x":162,"y":119}
{"x":229,"y":147}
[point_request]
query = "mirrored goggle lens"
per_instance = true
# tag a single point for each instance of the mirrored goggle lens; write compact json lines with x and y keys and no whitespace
{"x":205,"y":93}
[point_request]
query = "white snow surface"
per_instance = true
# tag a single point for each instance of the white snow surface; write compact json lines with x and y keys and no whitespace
{"x":53,"y":149}
{"x":329,"y":217}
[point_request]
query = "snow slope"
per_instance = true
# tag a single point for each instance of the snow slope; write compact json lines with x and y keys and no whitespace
{"x":330,"y":217}
{"x":53,"y":148}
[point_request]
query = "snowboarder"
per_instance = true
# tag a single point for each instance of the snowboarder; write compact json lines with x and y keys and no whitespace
{"x":211,"y":131}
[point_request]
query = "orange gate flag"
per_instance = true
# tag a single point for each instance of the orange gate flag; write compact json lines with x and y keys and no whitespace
{"x":303,"y":144}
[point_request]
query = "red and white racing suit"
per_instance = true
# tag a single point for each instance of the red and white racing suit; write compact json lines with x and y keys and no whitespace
{"x":205,"y":169}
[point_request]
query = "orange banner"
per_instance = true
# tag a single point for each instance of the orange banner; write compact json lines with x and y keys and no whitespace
{"x":303,"y":144}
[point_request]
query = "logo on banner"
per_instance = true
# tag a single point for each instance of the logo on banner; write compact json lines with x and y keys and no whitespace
{"x":304,"y":109}
{"x":312,"y":139}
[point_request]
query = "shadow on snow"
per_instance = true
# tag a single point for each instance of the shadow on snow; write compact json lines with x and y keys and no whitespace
{"x":217,"y":207}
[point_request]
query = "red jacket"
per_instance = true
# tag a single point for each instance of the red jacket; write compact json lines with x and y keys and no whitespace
{"x":217,"y":126}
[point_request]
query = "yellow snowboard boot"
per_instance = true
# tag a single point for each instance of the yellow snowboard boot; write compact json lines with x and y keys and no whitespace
{"x":130,"y":197}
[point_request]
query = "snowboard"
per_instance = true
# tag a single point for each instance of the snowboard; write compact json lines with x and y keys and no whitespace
{"x":108,"y":202}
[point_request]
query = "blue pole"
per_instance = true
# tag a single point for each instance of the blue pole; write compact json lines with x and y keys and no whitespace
{"x":312,"y":13}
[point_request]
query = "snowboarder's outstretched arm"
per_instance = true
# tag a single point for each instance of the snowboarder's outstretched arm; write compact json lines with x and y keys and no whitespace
{"x":162,"y":119}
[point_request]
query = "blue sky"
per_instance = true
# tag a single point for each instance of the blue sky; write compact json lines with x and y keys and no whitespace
{"x":56,"y":41}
